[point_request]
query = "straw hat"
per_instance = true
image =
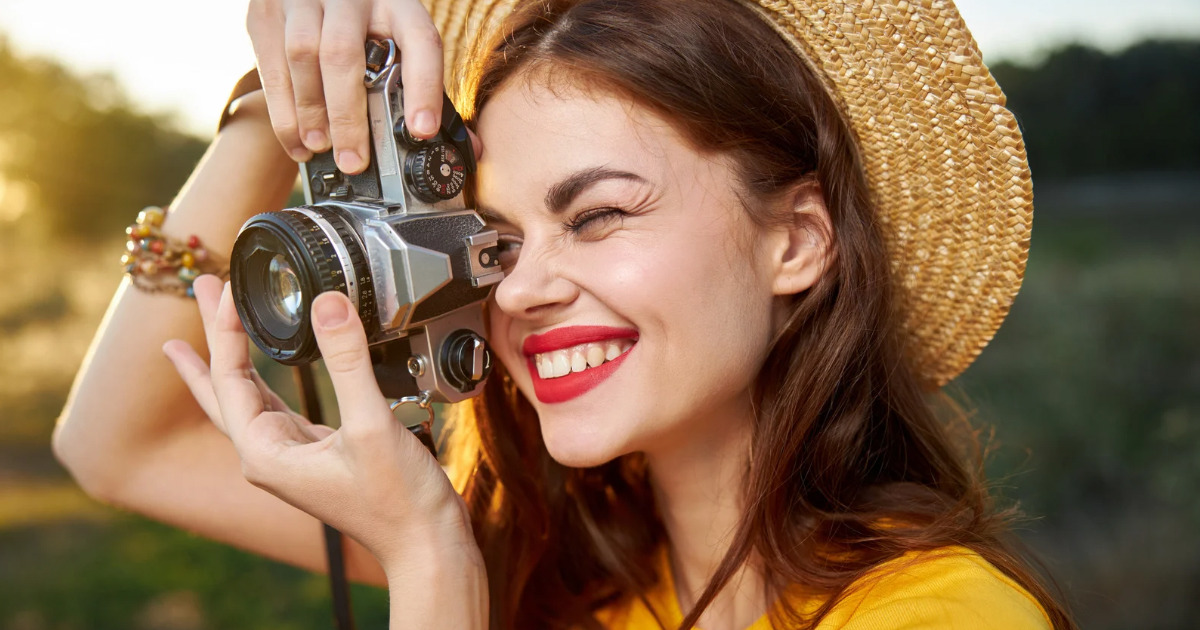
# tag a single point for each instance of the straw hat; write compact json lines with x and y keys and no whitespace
{"x":943,"y":156}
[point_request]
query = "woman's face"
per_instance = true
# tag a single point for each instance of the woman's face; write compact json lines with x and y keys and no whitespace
{"x":637,"y":306}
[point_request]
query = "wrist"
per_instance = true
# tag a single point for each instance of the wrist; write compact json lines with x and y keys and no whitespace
{"x":444,"y":548}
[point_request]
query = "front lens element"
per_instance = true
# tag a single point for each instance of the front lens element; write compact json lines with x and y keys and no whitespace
{"x":284,"y":296}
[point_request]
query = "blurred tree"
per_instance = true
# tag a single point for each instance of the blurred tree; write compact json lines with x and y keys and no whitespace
{"x":1086,"y":112}
{"x":89,"y":157}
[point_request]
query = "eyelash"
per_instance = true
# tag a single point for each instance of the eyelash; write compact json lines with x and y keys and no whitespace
{"x":509,"y":247}
{"x":581,"y":221}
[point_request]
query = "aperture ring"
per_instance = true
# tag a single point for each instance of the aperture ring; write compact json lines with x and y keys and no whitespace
{"x":343,"y":257}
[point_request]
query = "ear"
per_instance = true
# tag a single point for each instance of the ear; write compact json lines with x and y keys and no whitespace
{"x":802,"y":247}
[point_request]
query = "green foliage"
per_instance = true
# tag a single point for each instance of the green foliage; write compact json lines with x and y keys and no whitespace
{"x":92,"y":159}
{"x":1084,"y":111}
{"x":132,"y":573}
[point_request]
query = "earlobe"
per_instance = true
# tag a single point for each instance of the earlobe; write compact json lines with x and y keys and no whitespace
{"x":804,"y":245}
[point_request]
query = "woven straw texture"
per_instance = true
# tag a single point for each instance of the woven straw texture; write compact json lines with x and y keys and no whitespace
{"x":943,"y":156}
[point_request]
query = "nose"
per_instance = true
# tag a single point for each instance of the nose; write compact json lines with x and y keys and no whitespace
{"x":535,"y":285}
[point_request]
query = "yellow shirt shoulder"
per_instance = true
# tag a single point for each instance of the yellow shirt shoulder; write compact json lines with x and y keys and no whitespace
{"x":943,"y":589}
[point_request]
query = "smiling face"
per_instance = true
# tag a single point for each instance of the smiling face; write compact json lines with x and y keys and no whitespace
{"x":633,"y":269}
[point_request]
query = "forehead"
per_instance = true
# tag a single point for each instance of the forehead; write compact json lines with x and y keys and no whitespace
{"x":535,"y":134}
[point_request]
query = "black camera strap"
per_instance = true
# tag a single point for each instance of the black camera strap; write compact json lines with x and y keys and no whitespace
{"x":343,"y":617}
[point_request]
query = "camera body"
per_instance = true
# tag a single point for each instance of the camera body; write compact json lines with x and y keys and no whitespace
{"x":396,"y":239}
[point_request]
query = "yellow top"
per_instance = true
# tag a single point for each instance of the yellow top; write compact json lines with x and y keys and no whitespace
{"x":943,"y":589}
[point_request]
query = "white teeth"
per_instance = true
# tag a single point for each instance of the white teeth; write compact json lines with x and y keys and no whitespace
{"x":595,"y":355}
{"x":578,"y":358}
{"x":562,"y":365}
{"x":578,"y":361}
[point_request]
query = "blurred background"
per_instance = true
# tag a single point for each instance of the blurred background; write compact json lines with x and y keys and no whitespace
{"x":1091,"y":389}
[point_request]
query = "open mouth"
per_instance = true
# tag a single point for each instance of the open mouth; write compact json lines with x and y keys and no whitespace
{"x":585,"y":356}
{"x":568,"y":362}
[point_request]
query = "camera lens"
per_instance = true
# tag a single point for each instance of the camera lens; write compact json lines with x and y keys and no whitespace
{"x":281,"y":261}
{"x":283,"y":290}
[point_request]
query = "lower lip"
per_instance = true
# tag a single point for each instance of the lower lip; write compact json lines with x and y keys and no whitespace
{"x":575,"y":384}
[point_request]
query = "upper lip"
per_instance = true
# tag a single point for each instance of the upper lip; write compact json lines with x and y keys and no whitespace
{"x":569,"y":336}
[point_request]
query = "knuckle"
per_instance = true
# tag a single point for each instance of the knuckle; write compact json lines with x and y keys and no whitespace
{"x":342,"y":359}
{"x":286,"y":131}
{"x":426,"y":34}
{"x":310,"y":109}
{"x":303,"y":48}
{"x":348,"y":130}
{"x":424,"y":82}
{"x":274,"y":79}
{"x":341,"y":53}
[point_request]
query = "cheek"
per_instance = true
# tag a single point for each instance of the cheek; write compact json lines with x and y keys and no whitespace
{"x":499,"y":328}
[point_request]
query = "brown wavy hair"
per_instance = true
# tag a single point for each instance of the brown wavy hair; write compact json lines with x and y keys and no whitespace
{"x":851,"y":463}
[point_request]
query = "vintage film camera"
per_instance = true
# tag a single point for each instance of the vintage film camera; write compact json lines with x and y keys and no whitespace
{"x":395,"y":239}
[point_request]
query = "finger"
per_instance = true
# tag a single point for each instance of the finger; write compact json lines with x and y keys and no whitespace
{"x":343,"y":63}
{"x":194,"y":372}
{"x":302,"y":41}
{"x":265,"y":24}
{"x":208,"y":294}
{"x":421,"y":71}
{"x":273,"y":401}
{"x":343,"y":345}
{"x":231,"y":371}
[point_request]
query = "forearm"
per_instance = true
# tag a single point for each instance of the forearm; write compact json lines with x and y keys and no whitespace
{"x":126,"y":396}
{"x":447,"y":592}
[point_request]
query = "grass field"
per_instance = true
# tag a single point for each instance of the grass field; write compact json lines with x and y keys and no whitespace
{"x":1092,"y":388}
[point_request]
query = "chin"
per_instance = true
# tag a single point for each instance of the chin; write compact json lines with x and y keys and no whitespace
{"x":571,"y":447}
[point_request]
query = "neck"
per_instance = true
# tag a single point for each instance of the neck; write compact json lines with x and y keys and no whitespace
{"x":698,"y":481}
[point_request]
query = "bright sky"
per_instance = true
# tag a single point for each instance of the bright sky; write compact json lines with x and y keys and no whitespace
{"x":184,"y":55}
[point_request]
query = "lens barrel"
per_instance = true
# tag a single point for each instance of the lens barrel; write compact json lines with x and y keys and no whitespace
{"x":281,"y":262}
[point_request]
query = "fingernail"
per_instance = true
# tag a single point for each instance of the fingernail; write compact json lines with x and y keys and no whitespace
{"x":300,"y":154}
{"x":349,"y":161}
{"x":422,"y":123}
{"x":316,"y":140}
{"x":330,"y":312}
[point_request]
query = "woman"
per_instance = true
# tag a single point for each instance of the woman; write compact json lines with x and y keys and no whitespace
{"x":741,"y":245}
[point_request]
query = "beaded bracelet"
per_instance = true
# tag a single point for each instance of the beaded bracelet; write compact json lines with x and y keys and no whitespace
{"x":157,"y":263}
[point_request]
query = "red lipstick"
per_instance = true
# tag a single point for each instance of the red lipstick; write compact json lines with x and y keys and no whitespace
{"x":575,"y":384}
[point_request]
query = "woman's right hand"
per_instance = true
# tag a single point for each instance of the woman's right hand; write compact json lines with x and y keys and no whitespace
{"x":311,"y":60}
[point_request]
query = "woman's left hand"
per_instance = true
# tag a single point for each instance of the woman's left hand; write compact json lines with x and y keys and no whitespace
{"x":371,"y":479}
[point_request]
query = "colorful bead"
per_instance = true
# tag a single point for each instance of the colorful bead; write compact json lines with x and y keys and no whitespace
{"x":188,"y":260}
{"x":200,"y":254}
{"x":131,"y":246}
{"x":141,"y":231}
{"x":149,"y":268}
{"x":151,"y":215}
{"x":145,"y":244}
{"x":156,"y":246}
{"x":193,"y":241}
{"x":190,"y":292}
{"x":127,"y":259}
{"x":187,"y":274}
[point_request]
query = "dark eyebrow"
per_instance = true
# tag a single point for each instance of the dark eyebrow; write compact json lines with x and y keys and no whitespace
{"x":564,"y":192}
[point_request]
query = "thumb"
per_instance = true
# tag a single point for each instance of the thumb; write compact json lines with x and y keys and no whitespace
{"x":343,"y":343}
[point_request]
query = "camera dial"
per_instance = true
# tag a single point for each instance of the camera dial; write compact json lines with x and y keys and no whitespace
{"x":435,"y":172}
